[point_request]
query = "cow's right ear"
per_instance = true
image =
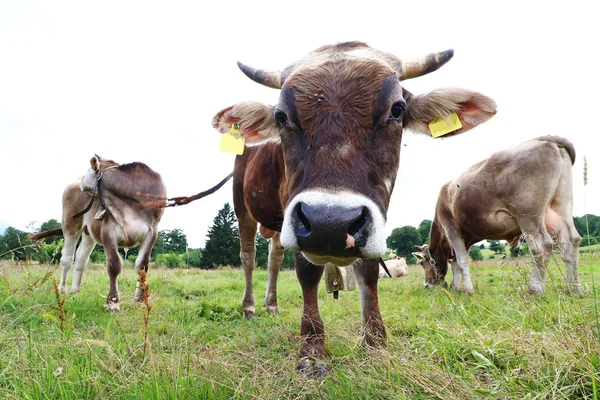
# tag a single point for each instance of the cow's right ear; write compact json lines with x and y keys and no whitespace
{"x":256,"y":122}
{"x":95,"y":163}
{"x":418,"y":255}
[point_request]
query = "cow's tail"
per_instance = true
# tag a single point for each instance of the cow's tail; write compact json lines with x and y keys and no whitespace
{"x":562,"y":143}
{"x":47,"y":234}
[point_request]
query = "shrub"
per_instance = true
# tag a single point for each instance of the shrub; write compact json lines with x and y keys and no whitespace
{"x":170,"y":260}
{"x":475,"y":253}
{"x":98,"y":257}
{"x":194,"y":258}
{"x":50,"y":253}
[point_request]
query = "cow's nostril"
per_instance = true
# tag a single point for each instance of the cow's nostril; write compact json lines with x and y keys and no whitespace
{"x":303,"y":227}
{"x":359,"y":223}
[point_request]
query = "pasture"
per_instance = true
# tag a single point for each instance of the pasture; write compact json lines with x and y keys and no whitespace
{"x":498,"y":343}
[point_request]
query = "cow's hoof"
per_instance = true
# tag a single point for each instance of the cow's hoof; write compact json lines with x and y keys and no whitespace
{"x":249,"y":314}
{"x":273,"y":310}
{"x":312,"y":367}
{"x":112,"y":307}
{"x":574,"y":291}
{"x":536,"y":290}
{"x":112,"y":303}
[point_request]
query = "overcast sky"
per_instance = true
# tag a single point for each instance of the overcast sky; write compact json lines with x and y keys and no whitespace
{"x":140,"y":81}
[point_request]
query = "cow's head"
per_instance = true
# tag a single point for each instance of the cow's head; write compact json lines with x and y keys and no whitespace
{"x":89,"y":181}
{"x":340,"y":117}
{"x":435,"y":271}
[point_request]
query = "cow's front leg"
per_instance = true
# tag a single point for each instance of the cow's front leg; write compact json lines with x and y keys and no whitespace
{"x":312,"y":349}
{"x":143,"y":260}
{"x":367,"y":275}
{"x":247,"y":232}
{"x":276,"y":253}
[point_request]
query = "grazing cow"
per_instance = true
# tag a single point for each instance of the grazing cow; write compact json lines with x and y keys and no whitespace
{"x":118,"y":217}
{"x":396,"y":265}
{"x":325,"y":180}
{"x":527,"y":191}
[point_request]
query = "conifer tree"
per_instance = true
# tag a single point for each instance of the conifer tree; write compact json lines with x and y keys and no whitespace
{"x":223,"y":244}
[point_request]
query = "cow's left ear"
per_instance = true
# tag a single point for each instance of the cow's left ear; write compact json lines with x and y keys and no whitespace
{"x":472,"y":109}
{"x":256,"y":122}
{"x":418,"y":255}
{"x":95,"y":163}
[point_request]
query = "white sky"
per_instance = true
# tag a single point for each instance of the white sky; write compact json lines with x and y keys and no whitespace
{"x":141,"y":80}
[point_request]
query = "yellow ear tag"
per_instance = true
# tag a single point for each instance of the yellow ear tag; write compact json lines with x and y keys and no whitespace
{"x":440,"y":127}
{"x":232,"y":141}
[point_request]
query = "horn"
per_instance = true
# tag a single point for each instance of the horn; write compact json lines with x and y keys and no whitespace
{"x":421,"y":248}
{"x":423,"y":65}
{"x":270,"y":79}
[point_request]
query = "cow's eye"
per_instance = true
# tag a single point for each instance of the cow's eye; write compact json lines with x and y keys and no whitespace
{"x":281,"y":118}
{"x":397,"y":110}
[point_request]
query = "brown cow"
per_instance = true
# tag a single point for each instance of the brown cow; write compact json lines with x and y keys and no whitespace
{"x":338,"y":126}
{"x":524,"y":191}
{"x":117,"y":218}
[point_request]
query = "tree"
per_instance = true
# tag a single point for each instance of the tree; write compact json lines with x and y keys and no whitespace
{"x":497,"y":247}
{"x":403,"y":241}
{"x":475,"y":253}
{"x":223,"y":244}
{"x":262,"y":251}
{"x":15,"y":244}
{"x":174,"y":241}
{"x":591,"y":223}
{"x":424,"y":228}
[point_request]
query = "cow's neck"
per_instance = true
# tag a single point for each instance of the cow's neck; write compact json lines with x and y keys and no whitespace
{"x":438,"y":248}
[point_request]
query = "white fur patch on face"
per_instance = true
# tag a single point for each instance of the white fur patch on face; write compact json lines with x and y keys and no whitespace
{"x":363,"y":52}
{"x":388,"y":184}
{"x":88,"y":182}
{"x":375,"y":246}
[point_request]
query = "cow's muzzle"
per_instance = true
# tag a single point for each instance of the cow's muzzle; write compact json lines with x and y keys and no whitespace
{"x":330,"y":231}
{"x":333,"y":227}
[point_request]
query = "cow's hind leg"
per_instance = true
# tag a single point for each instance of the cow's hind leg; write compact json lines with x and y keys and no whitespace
{"x":367,"y":276}
{"x":114,"y":265}
{"x":455,"y":275}
{"x":143,"y":259}
{"x":247,"y":231}
{"x":540,"y":246}
{"x":312,"y":349}
{"x":66,"y":259}
{"x":82,"y":257}
{"x":276,"y":253}
{"x":462,"y":259}
{"x":569,"y":240}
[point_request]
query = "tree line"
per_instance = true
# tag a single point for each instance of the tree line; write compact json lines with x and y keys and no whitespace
{"x":223,"y":244}
{"x":403,"y":240}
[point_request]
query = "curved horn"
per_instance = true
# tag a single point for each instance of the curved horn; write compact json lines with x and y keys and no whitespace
{"x":424,"y":65}
{"x":270,"y":79}
{"x":421,"y":248}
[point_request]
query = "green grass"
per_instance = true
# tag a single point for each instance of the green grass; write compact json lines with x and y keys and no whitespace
{"x":498,"y":343}
{"x":593,"y":249}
